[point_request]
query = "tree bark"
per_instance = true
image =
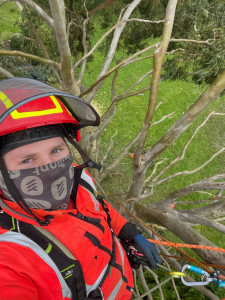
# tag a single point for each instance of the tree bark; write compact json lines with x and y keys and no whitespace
{"x":63,"y":45}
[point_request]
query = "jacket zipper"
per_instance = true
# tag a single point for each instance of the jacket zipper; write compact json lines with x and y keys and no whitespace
{"x":93,"y":221}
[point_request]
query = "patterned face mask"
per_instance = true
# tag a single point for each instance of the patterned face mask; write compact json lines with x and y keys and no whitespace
{"x":46,"y":187}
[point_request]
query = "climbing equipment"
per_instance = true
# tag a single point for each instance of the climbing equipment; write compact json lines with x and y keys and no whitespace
{"x":205,"y":279}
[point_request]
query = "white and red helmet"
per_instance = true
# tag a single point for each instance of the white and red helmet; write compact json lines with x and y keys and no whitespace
{"x":27,"y":103}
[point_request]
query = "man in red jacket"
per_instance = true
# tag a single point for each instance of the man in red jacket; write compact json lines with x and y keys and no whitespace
{"x":58,"y":238}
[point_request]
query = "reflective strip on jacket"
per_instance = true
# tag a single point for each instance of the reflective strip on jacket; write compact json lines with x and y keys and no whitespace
{"x":27,"y":270}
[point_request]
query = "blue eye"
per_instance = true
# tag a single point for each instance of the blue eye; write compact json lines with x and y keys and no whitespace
{"x":56,"y":151}
{"x":26,"y":161}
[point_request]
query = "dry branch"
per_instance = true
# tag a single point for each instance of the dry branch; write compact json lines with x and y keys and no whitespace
{"x":6,"y":73}
{"x":30,"y":56}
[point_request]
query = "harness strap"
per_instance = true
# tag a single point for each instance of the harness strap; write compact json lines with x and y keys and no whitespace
{"x":67,"y":264}
{"x":100,"y":199}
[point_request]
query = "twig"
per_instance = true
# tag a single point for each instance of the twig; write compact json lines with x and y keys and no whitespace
{"x":144,"y":284}
{"x":84,"y":43}
{"x":30,"y":56}
{"x":189,"y":172}
{"x":109,"y":148}
{"x":185,"y":147}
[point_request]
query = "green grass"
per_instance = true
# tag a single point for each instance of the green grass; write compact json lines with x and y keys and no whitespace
{"x":9,"y":16}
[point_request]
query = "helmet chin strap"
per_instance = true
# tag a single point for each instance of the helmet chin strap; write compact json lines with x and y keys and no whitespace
{"x":87,"y":161}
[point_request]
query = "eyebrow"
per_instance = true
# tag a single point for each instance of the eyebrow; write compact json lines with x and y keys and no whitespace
{"x":32,"y":154}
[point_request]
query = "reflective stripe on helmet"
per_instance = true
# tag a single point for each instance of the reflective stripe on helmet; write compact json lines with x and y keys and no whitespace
{"x":20,"y":115}
{"x":5,"y":100}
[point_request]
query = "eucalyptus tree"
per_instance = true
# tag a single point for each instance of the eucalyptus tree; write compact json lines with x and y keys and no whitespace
{"x":62,"y":48}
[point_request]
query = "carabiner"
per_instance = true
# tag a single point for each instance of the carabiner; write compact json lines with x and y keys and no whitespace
{"x":206,"y":279}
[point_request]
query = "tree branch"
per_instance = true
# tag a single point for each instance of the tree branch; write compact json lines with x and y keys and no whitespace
{"x":158,"y":57}
{"x":205,"y":184}
{"x":167,"y":218}
{"x":155,"y":183}
{"x":186,"y":145}
{"x":119,"y":157}
{"x":30,"y":56}
{"x":185,"y":120}
{"x":58,"y":12}
{"x":6,"y":73}
{"x":84,"y":43}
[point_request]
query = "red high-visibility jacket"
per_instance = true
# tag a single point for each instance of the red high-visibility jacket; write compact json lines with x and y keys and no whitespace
{"x":28,"y":273}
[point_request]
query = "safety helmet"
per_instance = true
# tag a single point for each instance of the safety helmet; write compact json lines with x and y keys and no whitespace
{"x":52,"y":106}
{"x":31,"y":111}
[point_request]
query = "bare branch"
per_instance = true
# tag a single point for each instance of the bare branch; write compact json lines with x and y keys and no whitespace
{"x":120,"y":156}
{"x":143,"y":282}
{"x":58,"y":13}
{"x":188,"y":172}
{"x":84,"y":43}
{"x":110,"y":113}
{"x":146,"y":21}
{"x":159,"y":54}
{"x":185,"y":120}
{"x":139,"y":92}
{"x":166,"y":218}
{"x":163,"y":118}
{"x":123,"y":63}
{"x":156,"y":280}
{"x":136,"y":83}
{"x":109,"y":148}
{"x":187,"y":145}
{"x":205,"y":184}
{"x":155,"y":169}
{"x":30,"y":56}
{"x":157,"y":65}
{"x":189,"y":217}
{"x":6,"y":73}
{"x":44,"y":49}
{"x":191,"y":41}
{"x":212,"y":210}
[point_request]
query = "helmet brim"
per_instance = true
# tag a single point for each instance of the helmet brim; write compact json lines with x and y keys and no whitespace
{"x":17,"y":91}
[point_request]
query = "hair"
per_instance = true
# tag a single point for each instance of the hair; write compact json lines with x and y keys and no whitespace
{"x":17,"y":139}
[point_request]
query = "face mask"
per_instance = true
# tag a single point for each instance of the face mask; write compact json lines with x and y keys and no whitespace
{"x":46,"y":187}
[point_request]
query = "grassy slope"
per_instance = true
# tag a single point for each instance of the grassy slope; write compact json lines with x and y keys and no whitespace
{"x":9,"y":16}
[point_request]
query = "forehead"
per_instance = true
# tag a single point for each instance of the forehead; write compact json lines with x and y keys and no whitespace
{"x":37,"y":147}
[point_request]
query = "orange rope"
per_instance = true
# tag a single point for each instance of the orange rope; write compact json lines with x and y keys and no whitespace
{"x":175,"y":245}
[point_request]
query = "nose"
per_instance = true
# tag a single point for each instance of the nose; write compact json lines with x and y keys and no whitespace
{"x":43,"y":160}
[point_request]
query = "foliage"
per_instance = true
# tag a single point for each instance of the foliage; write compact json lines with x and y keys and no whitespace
{"x":204,"y":20}
{"x":193,"y":20}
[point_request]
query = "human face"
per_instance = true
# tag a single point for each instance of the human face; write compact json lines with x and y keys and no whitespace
{"x":36,"y":154}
